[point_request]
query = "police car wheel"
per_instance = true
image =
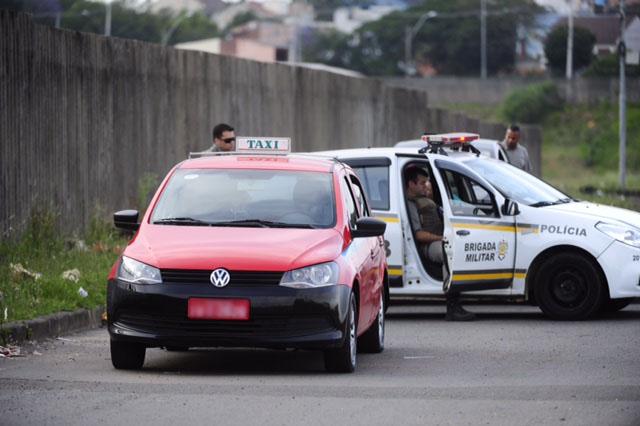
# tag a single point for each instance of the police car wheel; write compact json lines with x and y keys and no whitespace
{"x":343,"y":359}
{"x":614,"y":305}
{"x":569,"y":287}
{"x":372,"y":341}
{"x":127,"y":356}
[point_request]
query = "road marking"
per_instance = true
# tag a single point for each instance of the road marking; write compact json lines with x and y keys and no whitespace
{"x":419,"y":357}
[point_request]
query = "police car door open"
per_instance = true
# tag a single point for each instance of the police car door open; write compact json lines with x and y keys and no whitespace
{"x":480,"y":242}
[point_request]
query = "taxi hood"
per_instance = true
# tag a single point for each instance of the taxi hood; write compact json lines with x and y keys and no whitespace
{"x":601,"y":212}
{"x":240,"y":249}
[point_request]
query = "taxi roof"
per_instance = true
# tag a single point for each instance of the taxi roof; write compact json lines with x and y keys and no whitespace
{"x":293,"y":162}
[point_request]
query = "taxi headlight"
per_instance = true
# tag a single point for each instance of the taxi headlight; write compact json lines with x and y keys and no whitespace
{"x":136,"y":272}
{"x":624,"y":234}
{"x":321,"y":275}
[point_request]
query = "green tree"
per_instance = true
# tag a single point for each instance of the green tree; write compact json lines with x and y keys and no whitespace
{"x":450,"y":42}
{"x":128,"y":19}
{"x":555,"y":48}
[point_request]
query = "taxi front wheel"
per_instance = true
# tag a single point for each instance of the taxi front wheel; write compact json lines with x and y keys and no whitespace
{"x":127,"y":356}
{"x":372,"y":341}
{"x":569,"y":287}
{"x":343,"y":359}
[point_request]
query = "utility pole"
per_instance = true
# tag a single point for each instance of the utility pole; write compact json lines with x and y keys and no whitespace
{"x":622,"y":52}
{"x":107,"y":19}
{"x":569,"y":69}
{"x":409,"y":35}
{"x":483,"y":39}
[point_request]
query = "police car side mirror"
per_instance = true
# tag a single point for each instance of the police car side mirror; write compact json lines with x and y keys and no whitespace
{"x":510,"y":208}
{"x":126,"y":220}
{"x":368,"y":227}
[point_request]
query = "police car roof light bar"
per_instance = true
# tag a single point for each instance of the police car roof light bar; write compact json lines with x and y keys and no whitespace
{"x":455,"y":141}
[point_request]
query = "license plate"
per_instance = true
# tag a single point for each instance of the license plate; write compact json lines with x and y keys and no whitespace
{"x":219,"y":309}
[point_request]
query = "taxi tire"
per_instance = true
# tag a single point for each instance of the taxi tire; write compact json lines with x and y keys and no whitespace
{"x":372,"y":341}
{"x":571,"y":271}
{"x":343,"y":359}
{"x":127,"y":356}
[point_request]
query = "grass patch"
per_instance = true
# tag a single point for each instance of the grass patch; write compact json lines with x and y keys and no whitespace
{"x":41,"y":250}
{"x":580,"y":148}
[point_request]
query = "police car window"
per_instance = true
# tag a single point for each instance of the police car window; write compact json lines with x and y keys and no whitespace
{"x":256,"y":197}
{"x":375,"y":180}
{"x":350,"y":204}
{"x":516,"y":184}
{"x":358,"y":194}
{"x":467,"y":197}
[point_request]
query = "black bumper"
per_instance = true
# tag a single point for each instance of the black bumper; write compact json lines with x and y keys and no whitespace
{"x":280,"y":317}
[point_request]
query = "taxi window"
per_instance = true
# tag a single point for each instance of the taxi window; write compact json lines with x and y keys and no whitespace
{"x":375,"y":180}
{"x":349,"y":202}
{"x":467,"y":197}
{"x":256,"y":197}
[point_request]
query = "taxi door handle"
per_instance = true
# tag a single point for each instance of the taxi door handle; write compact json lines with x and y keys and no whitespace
{"x":463,"y":232}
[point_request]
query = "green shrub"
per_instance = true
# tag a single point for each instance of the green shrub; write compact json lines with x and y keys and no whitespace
{"x":146,"y":188}
{"x":609,"y":66}
{"x":532,"y":103}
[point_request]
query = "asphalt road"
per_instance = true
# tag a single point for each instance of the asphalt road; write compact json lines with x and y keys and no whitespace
{"x":511,"y":366}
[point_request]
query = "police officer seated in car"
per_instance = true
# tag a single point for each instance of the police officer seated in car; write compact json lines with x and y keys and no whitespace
{"x":427,"y":230}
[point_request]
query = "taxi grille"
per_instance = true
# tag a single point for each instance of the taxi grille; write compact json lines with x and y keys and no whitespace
{"x":238,"y":278}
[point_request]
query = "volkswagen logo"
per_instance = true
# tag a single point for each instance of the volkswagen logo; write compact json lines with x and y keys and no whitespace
{"x":220,"y":277}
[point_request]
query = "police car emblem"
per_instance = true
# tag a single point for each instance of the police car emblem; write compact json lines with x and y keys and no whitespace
{"x":220,"y":277}
{"x":503,"y":246}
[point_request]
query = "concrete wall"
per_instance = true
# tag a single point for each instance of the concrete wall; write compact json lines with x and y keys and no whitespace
{"x":83,"y":117}
{"x":446,"y":90}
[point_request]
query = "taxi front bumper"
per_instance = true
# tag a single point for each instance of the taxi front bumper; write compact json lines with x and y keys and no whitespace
{"x":280,"y":317}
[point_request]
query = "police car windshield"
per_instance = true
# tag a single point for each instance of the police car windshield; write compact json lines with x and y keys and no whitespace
{"x":247,"y":198}
{"x":516,"y":184}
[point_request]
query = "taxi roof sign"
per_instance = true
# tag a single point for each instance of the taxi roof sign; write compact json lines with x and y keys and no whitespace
{"x":263,"y":145}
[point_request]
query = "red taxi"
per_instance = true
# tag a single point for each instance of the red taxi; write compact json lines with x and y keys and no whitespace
{"x":246,"y":250}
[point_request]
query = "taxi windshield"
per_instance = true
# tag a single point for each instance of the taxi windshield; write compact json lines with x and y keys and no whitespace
{"x":247,"y":198}
{"x":518,"y":185}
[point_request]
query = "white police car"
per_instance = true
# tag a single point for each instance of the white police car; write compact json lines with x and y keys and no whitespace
{"x":506,"y":232}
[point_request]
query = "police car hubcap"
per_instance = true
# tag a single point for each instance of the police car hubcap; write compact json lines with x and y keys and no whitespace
{"x":569,"y":288}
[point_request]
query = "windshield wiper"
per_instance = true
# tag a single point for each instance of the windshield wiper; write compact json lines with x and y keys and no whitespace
{"x":181,"y":221}
{"x":550,"y":203}
{"x":544,"y":203}
{"x":262,"y":223}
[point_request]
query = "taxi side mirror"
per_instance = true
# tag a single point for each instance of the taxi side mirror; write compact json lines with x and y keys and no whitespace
{"x":368,"y":227}
{"x":510,"y":208}
{"x":126,"y":220}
